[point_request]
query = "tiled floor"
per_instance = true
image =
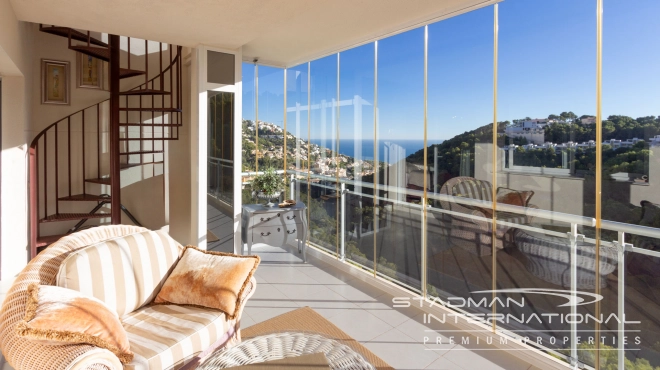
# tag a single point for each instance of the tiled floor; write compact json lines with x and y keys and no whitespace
{"x":362,"y":311}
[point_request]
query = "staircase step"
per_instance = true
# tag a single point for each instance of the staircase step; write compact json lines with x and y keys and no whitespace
{"x":147,"y":138}
{"x":151,"y":124}
{"x":46,"y":240}
{"x":143,"y":151}
{"x":102,"y":181}
{"x":145,"y":92}
{"x":150,"y":109}
{"x":96,"y":52}
{"x":130,"y":165}
{"x":85,"y":198}
{"x":127,"y":73}
{"x":75,"y":35}
{"x":72,"y":216}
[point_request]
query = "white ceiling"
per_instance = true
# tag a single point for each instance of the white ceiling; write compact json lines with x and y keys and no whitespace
{"x":279,"y":32}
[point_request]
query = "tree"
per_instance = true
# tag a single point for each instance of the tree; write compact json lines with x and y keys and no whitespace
{"x":553,"y":117}
{"x":568,"y":115}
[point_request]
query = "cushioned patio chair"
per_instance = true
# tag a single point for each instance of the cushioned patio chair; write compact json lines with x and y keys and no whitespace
{"x":475,"y":235}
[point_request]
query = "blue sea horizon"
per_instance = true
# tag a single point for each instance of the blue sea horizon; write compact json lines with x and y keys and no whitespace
{"x":394,"y":149}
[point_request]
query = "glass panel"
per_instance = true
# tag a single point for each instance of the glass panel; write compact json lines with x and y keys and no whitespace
{"x":271,"y":117}
{"x":297,"y":129}
{"x":248,"y":129}
{"x":546,"y":160}
{"x":323,"y":196}
{"x":631,"y":171}
{"x":400,"y":173}
{"x":356,"y":144}
{"x":460,"y":114}
{"x":221,"y":169}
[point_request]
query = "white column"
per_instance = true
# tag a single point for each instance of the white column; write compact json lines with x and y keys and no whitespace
{"x":198,"y":147}
{"x":238,"y":149}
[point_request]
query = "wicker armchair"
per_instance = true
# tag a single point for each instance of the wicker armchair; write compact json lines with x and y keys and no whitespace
{"x":473,"y":235}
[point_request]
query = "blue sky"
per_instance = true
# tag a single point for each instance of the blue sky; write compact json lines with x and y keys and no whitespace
{"x":547,"y":64}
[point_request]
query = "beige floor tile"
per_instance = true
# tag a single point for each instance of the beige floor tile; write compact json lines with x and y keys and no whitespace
{"x":401,"y":351}
{"x":328,"y":304}
{"x":444,"y":364}
{"x":361,"y":325}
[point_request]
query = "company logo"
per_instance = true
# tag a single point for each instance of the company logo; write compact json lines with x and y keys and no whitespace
{"x":579,"y":299}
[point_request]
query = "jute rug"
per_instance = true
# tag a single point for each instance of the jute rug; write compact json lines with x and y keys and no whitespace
{"x":307,"y":320}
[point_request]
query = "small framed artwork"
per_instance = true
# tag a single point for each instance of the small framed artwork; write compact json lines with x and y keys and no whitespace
{"x":90,"y":72}
{"x":55,"y":87}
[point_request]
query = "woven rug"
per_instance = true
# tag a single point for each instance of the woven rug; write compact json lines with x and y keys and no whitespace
{"x":307,"y":320}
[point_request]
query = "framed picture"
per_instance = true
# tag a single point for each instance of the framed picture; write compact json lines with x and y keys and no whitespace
{"x":90,"y":72}
{"x":55,"y":88}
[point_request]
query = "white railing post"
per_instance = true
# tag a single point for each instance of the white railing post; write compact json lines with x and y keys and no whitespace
{"x":423,"y":254}
{"x":573,"y":237}
{"x":621,"y":299}
{"x":342,"y":220}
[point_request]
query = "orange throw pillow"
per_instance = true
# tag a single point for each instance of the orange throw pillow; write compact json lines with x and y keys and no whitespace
{"x":56,"y":316}
{"x":514,"y":197}
{"x":208,"y":279}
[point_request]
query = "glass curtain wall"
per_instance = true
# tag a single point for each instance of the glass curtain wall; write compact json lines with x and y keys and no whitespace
{"x":460,"y":132}
{"x":297,"y":126}
{"x":271,"y":117}
{"x":399,"y":174}
{"x":517,"y":182}
{"x":545,"y":160}
{"x":322,"y":195}
{"x":356,"y":149}
{"x":249,"y":111}
{"x":630,"y":168}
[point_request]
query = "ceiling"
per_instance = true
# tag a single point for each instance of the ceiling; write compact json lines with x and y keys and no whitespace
{"x":278,"y":32}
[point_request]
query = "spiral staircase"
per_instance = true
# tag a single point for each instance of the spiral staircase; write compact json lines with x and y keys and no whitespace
{"x":75,"y":163}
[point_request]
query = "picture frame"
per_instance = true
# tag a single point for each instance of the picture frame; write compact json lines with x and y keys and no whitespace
{"x":89,"y":72}
{"x":55,"y":82}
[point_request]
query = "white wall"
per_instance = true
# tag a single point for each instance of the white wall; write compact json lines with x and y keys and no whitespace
{"x":16,"y":86}
{"x":179,"y":174}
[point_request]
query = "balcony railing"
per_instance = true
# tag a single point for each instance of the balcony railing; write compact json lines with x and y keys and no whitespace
{"x":419,"y":284}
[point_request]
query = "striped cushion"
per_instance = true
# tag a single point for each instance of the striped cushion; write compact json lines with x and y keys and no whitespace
{"x":474,"y":189}
{"x":166,"y":336}
{"x":125,"y":273}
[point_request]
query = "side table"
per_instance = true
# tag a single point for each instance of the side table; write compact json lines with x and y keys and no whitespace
{"x":275,"y":226}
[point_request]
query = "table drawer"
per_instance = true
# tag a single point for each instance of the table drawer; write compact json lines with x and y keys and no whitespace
{"x":272,"y":235}
{"x":276,"y":235}
{"x":275,"y":219}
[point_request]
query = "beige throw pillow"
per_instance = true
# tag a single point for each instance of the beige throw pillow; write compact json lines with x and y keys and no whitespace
{"x":209,"y":279}
{"x":56,"y":316}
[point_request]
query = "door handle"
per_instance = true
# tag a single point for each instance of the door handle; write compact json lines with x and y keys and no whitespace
{"x":291,"y":217}
{"x":291,"y":232}
{"x":265,"y":234}
{"x":265,"y":219}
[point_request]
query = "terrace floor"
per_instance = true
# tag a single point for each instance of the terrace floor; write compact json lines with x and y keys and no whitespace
{"x":362,"y":311}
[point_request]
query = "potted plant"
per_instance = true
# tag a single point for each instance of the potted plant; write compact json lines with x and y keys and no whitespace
{"x":268,"y":186}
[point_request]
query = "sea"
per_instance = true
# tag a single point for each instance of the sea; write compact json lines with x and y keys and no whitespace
{"x":394,"y":150}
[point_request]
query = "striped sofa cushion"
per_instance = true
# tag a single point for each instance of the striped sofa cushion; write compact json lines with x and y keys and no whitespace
{"x":125,"y":273}
{"x":167,"y":336}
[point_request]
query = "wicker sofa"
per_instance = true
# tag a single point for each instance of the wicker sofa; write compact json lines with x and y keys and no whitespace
{"x":161,"y":336}
{"x":471,"y":234}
